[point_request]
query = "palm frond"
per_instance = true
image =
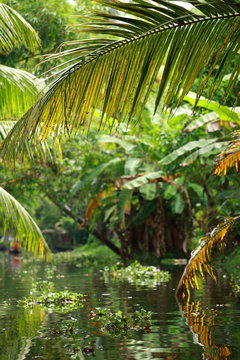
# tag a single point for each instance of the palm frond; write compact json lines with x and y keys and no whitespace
{"x":116,"y":77}
{"x":5,"y":128}
{"x":19,"y":90}
{"x":14,"y":219}
{"x":45,"y":152}
{"x":230,"y":157}
{"x":15,"y":31}
{"x":200,"y":260}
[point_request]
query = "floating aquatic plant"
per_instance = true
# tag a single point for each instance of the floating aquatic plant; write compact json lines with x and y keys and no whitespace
{"x":43,"y":285}
{"x":63,"y":301}
{"x":138,"y":274}
{"x":117,"y":323}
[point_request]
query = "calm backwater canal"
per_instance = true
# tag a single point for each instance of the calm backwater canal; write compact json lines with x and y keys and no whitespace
{"x":208,"y":328}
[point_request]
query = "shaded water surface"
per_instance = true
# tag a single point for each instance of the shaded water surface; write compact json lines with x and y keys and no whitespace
{"x":208,"y":328}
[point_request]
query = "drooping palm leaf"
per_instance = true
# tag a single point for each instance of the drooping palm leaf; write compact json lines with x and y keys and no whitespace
{"x":47,"y":152}
{"x":200,"y":260}
{"x":15,"y":31}
{"x":116,"y":77}
{"x":14,"y":219}
{"x":19,"y":90}
{"x":229,"y":157}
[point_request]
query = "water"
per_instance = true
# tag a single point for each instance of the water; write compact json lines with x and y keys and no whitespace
{"x":208,"y":328}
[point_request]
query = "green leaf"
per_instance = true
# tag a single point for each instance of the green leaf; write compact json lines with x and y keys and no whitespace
{"x":198,"y":189}
{"x":202,"y":120}
{"x":131,"y":166}
{"x":224,"y":112}
{"x":124,"y":201}
{"x":170,"y":191}
{"x":19,"y":90}
{"x":14,"y":219}
{"x":15,"y":31}
{"x":182,"y":150}
{"x":142,"y":180}
{"x":93,"y":175}
{"x":149,"y":191}
{"x":145,"y":211}
{"x":109,"y":212}
{"x":207,"y":150}
{"x":116,"y":77}
{"x":126,"y":145}
{"x":177,"y":204}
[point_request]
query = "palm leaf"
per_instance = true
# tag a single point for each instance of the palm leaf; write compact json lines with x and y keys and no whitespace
{"x":200,"y":260}
{"x":16,"y":220}
{"x":15,"y":31}
{"x":116,"y":77}
{"x":19,"y":90}
{"x":229,"y":157}
{"x":47,"y":152}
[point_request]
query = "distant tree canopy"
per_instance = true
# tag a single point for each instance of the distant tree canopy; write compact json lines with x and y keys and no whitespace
{"x":49,"y":18}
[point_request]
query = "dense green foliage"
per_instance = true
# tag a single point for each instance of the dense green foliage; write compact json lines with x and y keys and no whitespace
{"x":146,"y":188}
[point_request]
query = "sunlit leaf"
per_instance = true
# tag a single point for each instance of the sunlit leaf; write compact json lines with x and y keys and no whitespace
{"x":200,"y":261}
{"x":230,"y":157}
{"x":15,"y":220}
{"x":15,"y":31}
{"x":116,"y":77}
{"x":19,"y":90}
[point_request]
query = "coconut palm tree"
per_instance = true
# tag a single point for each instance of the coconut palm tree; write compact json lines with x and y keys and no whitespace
{"x":18,"y":91}
{"x":141,"y":47}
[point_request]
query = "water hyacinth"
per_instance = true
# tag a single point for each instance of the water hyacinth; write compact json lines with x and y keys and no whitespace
{"x":137,"y":274}
{"x":62,"y":301}
{"x":118,"y":323}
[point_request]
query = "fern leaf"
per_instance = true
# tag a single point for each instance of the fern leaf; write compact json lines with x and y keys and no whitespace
{"x":201,"y":257}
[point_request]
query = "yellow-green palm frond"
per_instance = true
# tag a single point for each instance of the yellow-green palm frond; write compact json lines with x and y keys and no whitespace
{"x":19,"y":90}
{"x":200,"y":260}
{"x":159,"y":45}
{"x":48,"y":152}
{"x":14,"y":219}
{"x":15,"y":31}
{"x":230,"y":157}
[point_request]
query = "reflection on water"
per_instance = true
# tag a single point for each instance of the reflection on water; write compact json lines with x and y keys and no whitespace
{"x":205,"y":329}
{"x":203,"y":323}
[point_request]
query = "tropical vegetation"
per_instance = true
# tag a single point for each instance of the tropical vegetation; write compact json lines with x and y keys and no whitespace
{"x":150,"y":177}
